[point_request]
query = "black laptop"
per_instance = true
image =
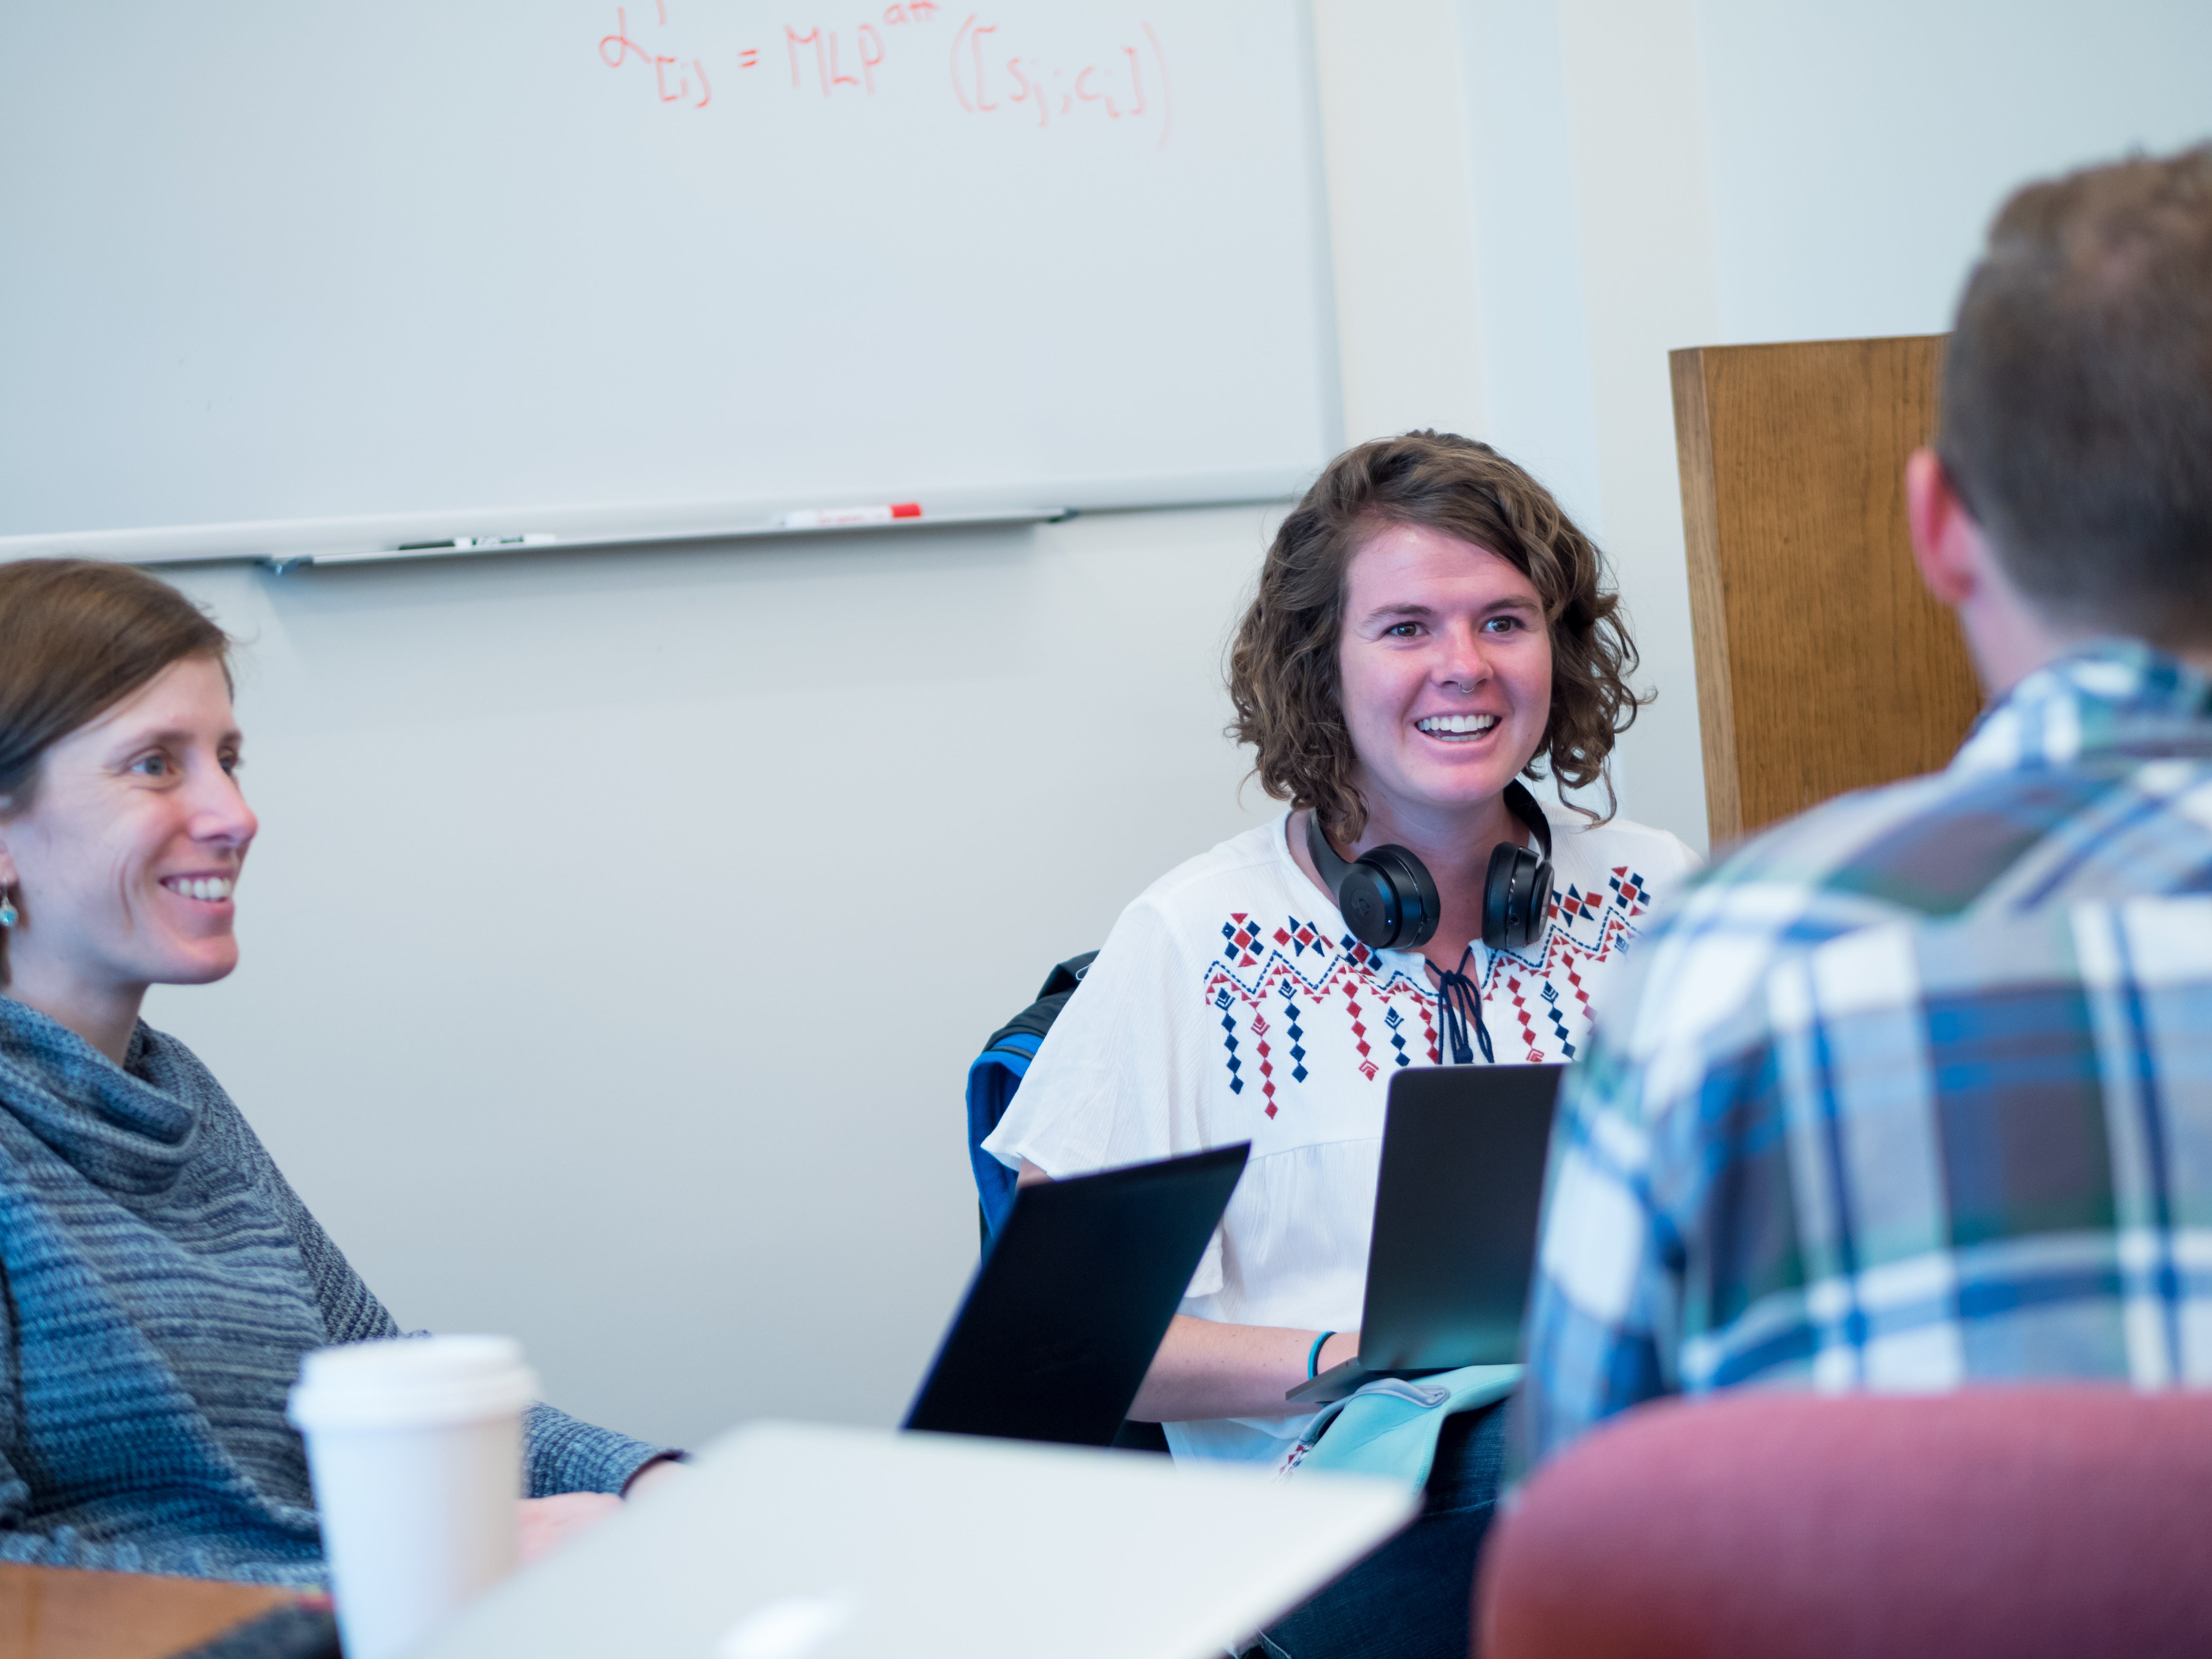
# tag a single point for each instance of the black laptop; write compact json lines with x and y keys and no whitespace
{"x":1064,"y":1315}
{"x":1454,"y":1239}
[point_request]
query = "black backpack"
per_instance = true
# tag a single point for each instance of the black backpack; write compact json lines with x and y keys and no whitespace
{"x":998,"y":1072}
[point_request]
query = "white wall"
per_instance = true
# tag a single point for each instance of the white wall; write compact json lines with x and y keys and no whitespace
{"x":1658,"y":173}
{"x":1857,"y":153}
{"x":622,"y":924}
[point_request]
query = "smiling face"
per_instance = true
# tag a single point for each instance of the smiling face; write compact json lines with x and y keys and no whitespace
{"x":1445,"y":666}
{"x":123,"y":867}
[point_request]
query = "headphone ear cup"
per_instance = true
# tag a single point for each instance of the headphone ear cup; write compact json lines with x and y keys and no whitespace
{"x":1369,"y":905}
{"x":1386,"y":896}
{"x":1539,"y":899}
{"x":1418,"y":908}
{"x":1517,"y":898}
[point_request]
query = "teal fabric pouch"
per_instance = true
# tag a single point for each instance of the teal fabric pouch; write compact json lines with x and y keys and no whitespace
{"x":1390,"y":1426}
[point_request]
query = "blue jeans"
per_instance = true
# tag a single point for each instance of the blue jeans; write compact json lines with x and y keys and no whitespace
{"x":1411,"y":1599}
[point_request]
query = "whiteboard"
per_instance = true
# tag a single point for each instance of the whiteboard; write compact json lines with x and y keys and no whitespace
{"x":280,"y":276}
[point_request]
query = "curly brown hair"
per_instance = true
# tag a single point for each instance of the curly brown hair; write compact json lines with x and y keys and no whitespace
{"x":1283,"y":666}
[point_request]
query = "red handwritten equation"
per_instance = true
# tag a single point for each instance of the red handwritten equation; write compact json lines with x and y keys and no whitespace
{"x":1129,"y":82}
{"x":676,"y":73}
{"x":868,"y":51}
{"x":994,"y":72}
{"x":619,"y":48}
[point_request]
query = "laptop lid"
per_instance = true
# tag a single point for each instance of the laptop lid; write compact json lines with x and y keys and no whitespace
{"x":1065,"y":1314}
{"x":1455,"y":1203}
{"x":793,"y":1541}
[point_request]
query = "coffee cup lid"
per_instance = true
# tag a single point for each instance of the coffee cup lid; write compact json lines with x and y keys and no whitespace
{"x":419,"y":1382}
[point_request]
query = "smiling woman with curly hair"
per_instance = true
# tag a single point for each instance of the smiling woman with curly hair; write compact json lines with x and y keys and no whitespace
{"x":1286,"y":668}
{"x":1429,"y":629}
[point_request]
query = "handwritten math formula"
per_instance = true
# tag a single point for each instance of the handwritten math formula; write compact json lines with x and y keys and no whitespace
{"x":985,"y":79}
{"x":988,"y":72}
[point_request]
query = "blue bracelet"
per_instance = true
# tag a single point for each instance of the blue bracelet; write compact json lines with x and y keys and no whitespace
{"x":1312,"y":1359}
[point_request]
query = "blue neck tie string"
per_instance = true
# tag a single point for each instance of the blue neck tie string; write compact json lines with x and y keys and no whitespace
{"x":1461,"y":998}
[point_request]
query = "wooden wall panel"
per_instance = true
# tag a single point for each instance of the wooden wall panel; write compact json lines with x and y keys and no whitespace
{"x":1823,"y":665}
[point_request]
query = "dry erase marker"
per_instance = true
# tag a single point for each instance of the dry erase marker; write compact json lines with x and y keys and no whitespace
{"x":463,"y":544}
{"x":826,"y":518}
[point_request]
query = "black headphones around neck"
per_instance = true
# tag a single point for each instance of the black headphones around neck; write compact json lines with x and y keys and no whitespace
{"x":1389,"y":900}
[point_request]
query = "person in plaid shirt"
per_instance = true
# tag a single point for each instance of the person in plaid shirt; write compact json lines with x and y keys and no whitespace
{"x":1915,"y":1091}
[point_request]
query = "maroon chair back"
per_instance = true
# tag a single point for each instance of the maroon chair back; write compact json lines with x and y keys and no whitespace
{"x":1998,"y":1524}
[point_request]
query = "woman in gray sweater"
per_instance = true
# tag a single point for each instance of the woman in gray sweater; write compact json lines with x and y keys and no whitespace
{"x":161,"y":1278}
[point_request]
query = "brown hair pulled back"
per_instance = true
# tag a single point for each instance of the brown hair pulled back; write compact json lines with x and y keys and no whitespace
{"x":2077,"y":417}
{"x":1283,"y":665}
{"x":76,"y":637}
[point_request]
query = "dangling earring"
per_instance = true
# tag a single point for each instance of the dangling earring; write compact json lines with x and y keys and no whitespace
{"x":9,"y":915}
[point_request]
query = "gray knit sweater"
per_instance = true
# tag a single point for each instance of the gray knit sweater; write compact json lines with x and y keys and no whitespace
{"x":161,"y":1281}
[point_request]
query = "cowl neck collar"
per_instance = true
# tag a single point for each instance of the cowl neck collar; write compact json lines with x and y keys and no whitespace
{"x":130,"y":1128}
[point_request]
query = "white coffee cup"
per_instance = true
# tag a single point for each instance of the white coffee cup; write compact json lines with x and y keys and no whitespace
{"x":415,"y":1446}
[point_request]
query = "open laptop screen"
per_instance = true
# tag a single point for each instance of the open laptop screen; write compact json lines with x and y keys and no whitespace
{"x":1063,"y":1317}
{"x":1455,"y":1212}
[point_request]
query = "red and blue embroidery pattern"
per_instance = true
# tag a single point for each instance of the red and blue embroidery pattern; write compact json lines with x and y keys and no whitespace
{"x":1270,"y":984}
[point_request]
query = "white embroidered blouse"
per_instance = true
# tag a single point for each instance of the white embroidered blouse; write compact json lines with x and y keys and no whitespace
{"x":1229,"y":1003}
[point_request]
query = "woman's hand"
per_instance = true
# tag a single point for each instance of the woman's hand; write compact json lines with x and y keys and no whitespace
{"x":549,"y":1523}
{"x":1206,"y":1369}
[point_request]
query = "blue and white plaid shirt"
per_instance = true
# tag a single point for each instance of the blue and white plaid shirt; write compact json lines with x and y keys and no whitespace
{"x":1915,"y":1091}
